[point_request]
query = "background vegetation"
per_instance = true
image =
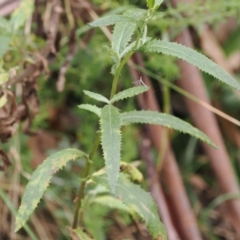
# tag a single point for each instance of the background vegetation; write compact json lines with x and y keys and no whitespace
{"x":49,"y":55}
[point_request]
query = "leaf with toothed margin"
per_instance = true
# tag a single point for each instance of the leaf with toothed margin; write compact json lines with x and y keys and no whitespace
{"x":96,"y":96}
{"x":124,"y":30}
{"x":166,"y":120}
{"x":111,"y":142}
{"x":91,"y":108}
{"x":139,"y":201}
{"x":40,"y":180}
{"x":111,"y":20}
{"x":122,"y":34}
{"x":192,"y":57}
{"x":129,"y":93}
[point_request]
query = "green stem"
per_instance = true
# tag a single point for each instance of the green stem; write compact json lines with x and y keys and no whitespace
{"x":123,"y":62}
{"x":117,"y":74}
{"x":86,"y":173}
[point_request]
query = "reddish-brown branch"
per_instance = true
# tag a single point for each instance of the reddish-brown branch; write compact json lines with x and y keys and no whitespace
{"x":156,"y":190}
{"x":191,"y":81}
{"x":173,"y":183}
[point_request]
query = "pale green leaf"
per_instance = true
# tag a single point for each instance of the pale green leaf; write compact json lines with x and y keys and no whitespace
{"x":96,"y":96}
{"x":111,"y":20}
{"x":192,"y":57}
{"x":133,"y":47}
{"x":112,"y":202}
{"x":3,"y":100}
{"x":166,"y":120}
{"x":157,"y":4}
{"x":122,"y":34}
{"x":40,"y":180}
{"x":136,"y":14}
{"x":81,"y":235}
{"x":111,"y":142}
{"x":91,"y":108}
{"x":4,"y":42}
{"x":21,"y":14}
{"x":4,"y":77}
{"x":139,"y":201}
{"x":130,"y":92}
{"x":4,"y":24}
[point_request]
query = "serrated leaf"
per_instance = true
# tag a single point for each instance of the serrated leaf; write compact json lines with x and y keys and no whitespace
{"x":129,"y":93}
{"x":111,"y":142}
{"x":192,"y":57}
{"x":122,"y":34}
{"x":96,"y":96}
{"x":111,"y":20}
{"x":140,"y":201}
{"x":4,"y":42}
{"x":3,"y":100}
{"x":40,"y":180}
{"x":112,"y":202}
{"x":91,"y":108}
{"x":21,"y":14}
{"x":166,"y":120}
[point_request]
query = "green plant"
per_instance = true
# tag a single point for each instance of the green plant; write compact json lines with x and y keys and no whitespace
{"x":131,"y":23}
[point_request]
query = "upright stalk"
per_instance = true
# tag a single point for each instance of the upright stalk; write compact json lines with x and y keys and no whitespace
{"x":86,"y":173}
{"x":117,"y":73}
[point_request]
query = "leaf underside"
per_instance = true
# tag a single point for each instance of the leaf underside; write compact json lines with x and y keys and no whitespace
{"x":139,"y":201}
{"x":130,"y":92}
{"x":111,"y":142}
{"x":166,"y":120}
{"x":91,"y":108}
{"x":40,"y":180}
{"x":192,"y":57}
